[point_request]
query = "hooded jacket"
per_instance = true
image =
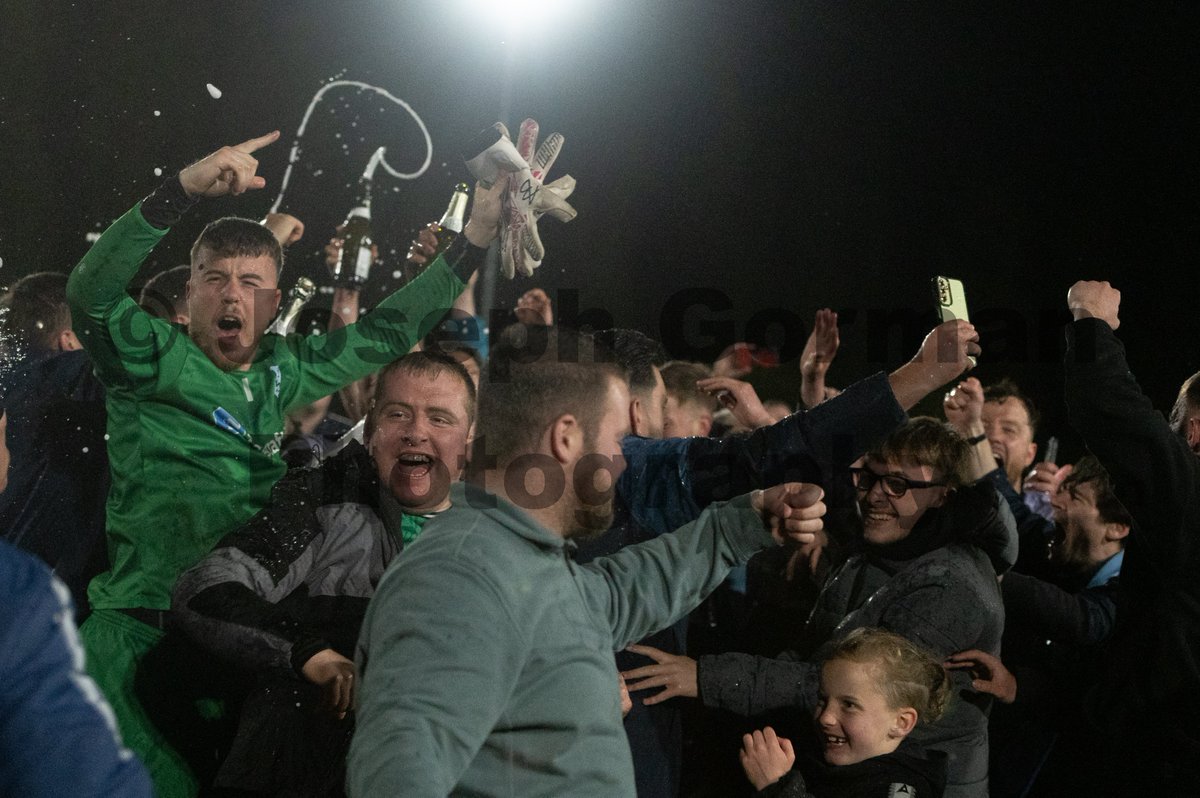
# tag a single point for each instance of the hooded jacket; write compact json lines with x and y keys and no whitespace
{"x":937,"y":587}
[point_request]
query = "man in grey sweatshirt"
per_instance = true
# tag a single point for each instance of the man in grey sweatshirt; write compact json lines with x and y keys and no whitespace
{"x":486,"y":654}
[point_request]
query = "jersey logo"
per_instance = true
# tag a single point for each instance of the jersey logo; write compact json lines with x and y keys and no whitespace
{"x":898,"y":789}
{"x":225,"y":420}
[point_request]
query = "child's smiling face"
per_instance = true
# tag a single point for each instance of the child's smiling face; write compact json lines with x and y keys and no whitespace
{"x":853,"y":718}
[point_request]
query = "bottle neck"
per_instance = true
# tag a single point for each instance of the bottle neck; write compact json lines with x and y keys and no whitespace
{"x":454,"y":217}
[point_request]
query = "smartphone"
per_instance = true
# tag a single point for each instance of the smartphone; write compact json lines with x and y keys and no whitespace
{"x":951,"y":299}
{"x":1051,"y":451}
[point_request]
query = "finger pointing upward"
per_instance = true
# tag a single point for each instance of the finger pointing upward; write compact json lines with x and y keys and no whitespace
{"x":257,"y":143}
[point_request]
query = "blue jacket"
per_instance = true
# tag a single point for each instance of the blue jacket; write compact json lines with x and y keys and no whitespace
{"x":57,"y":734}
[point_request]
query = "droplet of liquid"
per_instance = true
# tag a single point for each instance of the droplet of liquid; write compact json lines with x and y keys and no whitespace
{"x":213,"y":91}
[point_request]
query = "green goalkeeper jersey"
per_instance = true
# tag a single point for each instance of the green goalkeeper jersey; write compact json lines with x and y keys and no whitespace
{"x":194,"y":450}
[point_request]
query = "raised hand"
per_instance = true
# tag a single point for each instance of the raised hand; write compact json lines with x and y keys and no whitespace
{"x":765,"y":757}
{"x":229,"y":170}
{"x":1047,"y":477}
{"x":286,"y":228}
{"x":948,"y":351}
{"x":1095,"y":299}
{"x":741,"y":399}
{"x":535,"y":308}
{"x":819,"y":351}
{"x":964,"y":407}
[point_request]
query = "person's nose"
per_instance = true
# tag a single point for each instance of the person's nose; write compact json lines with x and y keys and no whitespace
{"x":415,"y":432}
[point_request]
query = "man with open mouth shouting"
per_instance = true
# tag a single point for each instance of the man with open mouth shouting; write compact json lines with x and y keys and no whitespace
{"x":195,"y":417}
{"x":285,"y":595}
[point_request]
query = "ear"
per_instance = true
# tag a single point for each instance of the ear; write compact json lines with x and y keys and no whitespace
{"x":181,"y":318}
{"x":905,"y":721}
{"x":1193,"y":433}
{"x":941,"y":499}
{"x":637,"y":416}
{"x":566,"y":439}
{"x":704,"y":425}
{"x":68,"y":341}
{"x":1114,"y":531}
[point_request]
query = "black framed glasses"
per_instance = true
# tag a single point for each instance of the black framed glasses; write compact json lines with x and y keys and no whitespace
{"x":894,"y":485}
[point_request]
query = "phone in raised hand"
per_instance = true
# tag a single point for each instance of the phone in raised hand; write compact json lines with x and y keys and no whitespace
{"x":951,"y":299}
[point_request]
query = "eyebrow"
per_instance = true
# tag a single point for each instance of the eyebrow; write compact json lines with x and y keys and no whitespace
{"x":410,"y":406}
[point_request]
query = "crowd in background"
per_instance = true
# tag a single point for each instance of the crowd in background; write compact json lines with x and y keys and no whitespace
{"x":435,"y":550}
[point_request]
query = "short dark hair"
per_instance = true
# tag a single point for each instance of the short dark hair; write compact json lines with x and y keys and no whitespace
{"x":1089,"y":471}
{"x":636,"y":353}
{"x":424,"y":364}
{"x":680,"y":377}
{"x":533,"y":379}
{"x":1007,"y":389}
{"x":234,"y":237}
{"x":926,"y":441}
{"x":37,"y":311}
{"x":164,"y":295}
{"x":1187,"y":403}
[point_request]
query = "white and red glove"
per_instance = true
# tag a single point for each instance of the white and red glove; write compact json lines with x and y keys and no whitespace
{"x":524,"y":165}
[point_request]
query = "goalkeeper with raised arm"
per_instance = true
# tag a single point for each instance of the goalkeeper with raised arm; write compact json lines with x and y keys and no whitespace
{"x":195,"y":416}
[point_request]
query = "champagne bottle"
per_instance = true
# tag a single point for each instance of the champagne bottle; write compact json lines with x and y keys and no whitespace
{"x":298,"y":297}
{"x":446,"y":229}
{"x":452,"y":221}
{"x":354,"y":262}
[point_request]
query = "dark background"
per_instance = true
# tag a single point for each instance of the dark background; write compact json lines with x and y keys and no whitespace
{"x":788,"y":155}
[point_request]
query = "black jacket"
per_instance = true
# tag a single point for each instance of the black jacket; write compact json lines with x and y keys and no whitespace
{"x":907,"y":772}
{"x":58,"y":479}
{"x":1147,"y":700}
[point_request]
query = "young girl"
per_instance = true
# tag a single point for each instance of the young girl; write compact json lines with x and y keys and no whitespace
{"x":875,"y":687}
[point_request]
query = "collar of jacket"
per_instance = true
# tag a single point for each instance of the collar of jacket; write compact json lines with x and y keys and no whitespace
{"x":507,"y":515}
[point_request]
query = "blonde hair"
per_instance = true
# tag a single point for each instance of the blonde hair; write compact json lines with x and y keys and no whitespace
{"x":909,"y":676}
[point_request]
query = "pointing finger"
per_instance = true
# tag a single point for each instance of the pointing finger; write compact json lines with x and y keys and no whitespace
{"x":250,"y":145}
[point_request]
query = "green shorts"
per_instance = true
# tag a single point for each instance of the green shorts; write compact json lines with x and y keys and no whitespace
{"x":116,"y":647}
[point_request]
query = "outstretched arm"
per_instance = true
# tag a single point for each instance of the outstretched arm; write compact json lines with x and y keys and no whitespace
{"x":126,"y":343}
{"x":1154,"y":473}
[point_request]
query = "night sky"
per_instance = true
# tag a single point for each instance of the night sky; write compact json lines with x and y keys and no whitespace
{"x":789,"y":156}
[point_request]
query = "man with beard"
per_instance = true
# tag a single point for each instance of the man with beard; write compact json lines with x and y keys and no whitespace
{"x":284,"y":596}
{"x":486,"y":654}
{"x":1055,"y":626}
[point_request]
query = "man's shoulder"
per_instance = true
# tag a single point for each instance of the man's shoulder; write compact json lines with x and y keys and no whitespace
{"x":955,"y":566}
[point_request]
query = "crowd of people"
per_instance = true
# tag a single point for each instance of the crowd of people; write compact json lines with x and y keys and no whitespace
{"x":416,"y":555}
